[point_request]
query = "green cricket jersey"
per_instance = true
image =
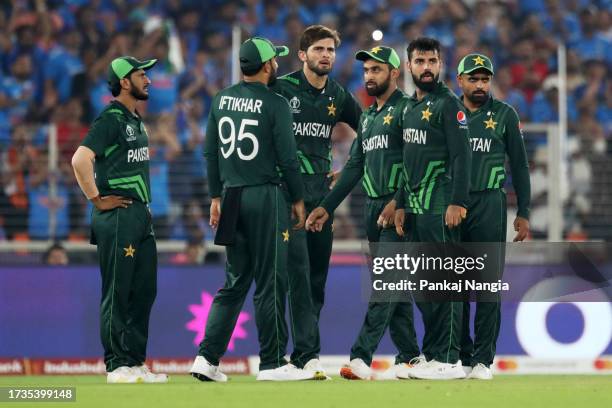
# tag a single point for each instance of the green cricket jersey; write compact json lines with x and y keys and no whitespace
{"x":376,"y":153}
{"x":249,"y":139}
{"x":120,"y":142}
{"x":494,"y":132}
{"x":315,"y":113}
{"x":437,"y":155}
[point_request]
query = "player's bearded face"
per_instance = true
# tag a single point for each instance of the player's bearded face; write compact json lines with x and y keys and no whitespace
{"x":378,"y":87}
{"x":425,"y":69}
{"x":139,"y":86}
{"x":476,"y":87}
{"x":320,"y":56}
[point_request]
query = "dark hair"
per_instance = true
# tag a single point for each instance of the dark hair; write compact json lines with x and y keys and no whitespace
{"x":251,"y":70}
{"x":423,"y":44}
{"x":115,"y":88}
{"x":314,"y":33}
{"x":53,"y":247}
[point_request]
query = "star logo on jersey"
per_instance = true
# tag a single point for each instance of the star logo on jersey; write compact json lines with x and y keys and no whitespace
{"x":490,"y":124}
{"x":479,"y":60}
{"x":375,"y":50}
{"x":364,"y":123}
{"x":285,"y":235}
{"x":426,"y":114}
{"x":129,"y":251}
{"x":387,"y":119}
{"x":331,"y":109}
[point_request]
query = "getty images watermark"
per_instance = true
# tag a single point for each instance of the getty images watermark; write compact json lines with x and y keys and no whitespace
{"x":423,"y":265}
{"x":488,"y":272}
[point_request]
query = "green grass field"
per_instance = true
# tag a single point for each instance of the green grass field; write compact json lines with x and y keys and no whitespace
{"x":244,"y":391}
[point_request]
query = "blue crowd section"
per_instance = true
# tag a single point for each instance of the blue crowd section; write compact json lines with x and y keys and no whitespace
{"x":61,"y":306}
{"x":54,"y":58}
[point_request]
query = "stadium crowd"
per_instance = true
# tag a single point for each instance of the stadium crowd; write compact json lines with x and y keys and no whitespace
{"x":54,"y":55}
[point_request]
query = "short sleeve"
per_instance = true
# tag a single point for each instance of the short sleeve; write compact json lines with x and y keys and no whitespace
{"x":101,"y":135}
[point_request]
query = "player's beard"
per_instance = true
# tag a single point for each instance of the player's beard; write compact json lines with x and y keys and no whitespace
{"x":319,"y":71}
{"x":425,"y":86}
{"x":478,"y":99}
{"x":137,"y":93}
{"x":378,"y":90}
{"x":272,"y":79}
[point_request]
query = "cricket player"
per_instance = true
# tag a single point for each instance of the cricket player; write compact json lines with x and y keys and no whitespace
{"x":434,"y":199}
{"x":112,"y":169}
{"x":376,"y":159}
{"x":317,"y":103}
{"x":249,"y":142}
{"x":495,"y":132}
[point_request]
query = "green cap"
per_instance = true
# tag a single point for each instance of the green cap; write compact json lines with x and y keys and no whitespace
{"x":121,"y":67}
{"x":386,"y":55}
{"x":472,"y":62}
{"x":257,"y":50}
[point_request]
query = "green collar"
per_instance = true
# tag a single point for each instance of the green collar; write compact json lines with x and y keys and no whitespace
{"x":305,"y":85}
{"x":392,"y":101}
{"x":115,"y":104}
{"x":486,"y":107}
{"x":439,"y":89}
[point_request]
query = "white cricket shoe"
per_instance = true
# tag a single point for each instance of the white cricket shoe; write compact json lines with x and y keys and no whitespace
{"x":357,"y":369}
{"x":204,"y":371}
{"x":288,"y":372}
{"x":403,"y":372}
{"x":389,"y":374}
{"x":435,"y":370}
{"x":467,"y":370}
{"x":480,"y":372}
{"x":124,"y":375}
{"x":150,"y":377}
{"x":315,"y":367}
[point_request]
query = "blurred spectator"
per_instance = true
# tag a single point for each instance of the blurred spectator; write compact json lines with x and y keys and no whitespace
{"x":502,"y":89}
{"x":528,"y":71}
{"x":163,"y":91}
{"x":16,"y":163}
{"x":48,"y":207}
{"x":16,"y":96}
{"x":604,"y":110}
{"x":163,"y":149}
{"x":545,"y":106}
{"x":63,"y":63}
{"x":70,"y":132}
{"x":55,"y":255}
{"x":592,"y":44}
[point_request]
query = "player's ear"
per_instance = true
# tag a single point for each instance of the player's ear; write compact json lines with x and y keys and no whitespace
{"x":302,"y":55}
{"x":459,"y":80}
{"x":395,"y":73}
{"x":268,"y":67}
{"x":125,"y":83}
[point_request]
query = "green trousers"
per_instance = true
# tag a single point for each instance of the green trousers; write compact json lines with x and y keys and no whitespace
{"x":259,"y":254}
{"x":442,"y":320}
{"x":485,"y":222}
{"x":128,"y":263}
{"x":397,"y":316}
{"x":308,"y":263}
